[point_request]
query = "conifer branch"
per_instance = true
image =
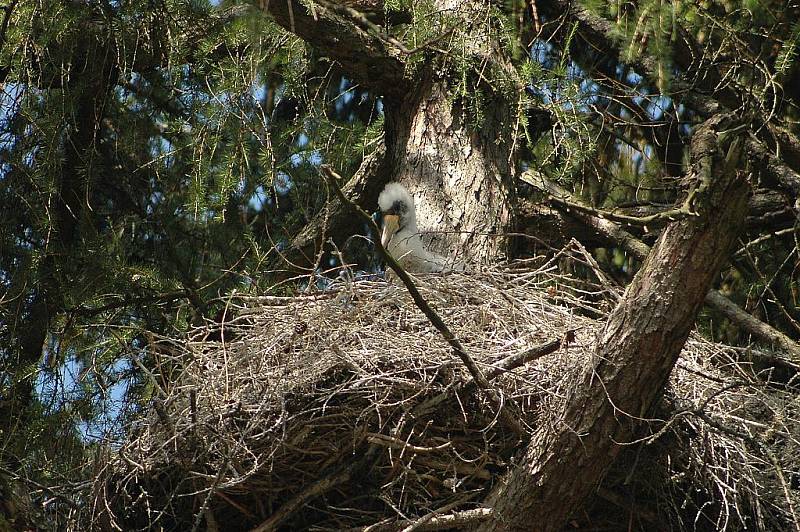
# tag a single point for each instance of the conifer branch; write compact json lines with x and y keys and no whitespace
{"x":363,"y":54}
{"x":706,"y":94}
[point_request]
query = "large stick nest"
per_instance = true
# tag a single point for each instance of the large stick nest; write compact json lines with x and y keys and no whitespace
{"x":345,"y":408}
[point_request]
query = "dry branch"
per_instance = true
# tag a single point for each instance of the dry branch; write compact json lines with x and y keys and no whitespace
{"x":441,"y":522}
{"x":315,"y":490}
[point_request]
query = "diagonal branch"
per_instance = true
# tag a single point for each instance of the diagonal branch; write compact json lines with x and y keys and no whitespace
{"x":316,"y":489}
{"x":506,"y":410}
{"x":363,"y":188}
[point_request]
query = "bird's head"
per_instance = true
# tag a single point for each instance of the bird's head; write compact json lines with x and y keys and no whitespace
{"x":397,"y":209}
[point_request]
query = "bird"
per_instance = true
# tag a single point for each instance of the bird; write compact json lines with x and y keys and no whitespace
{"x":400,"y":236}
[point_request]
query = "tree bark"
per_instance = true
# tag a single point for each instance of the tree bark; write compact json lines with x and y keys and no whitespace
{"x":458,"y":175}
{"x":456,"y":167}
{"x":635,"y":352}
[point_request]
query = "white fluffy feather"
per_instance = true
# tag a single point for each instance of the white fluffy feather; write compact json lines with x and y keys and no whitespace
{"x":405,"y":245}
{"x":395,"y":192}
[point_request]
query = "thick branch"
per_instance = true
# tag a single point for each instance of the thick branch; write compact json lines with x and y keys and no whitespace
{"x":95,"y":73}
{"x":8,"y":9}
{"x":757,"y":328}
{"x":634,"y":354}
{"x":774,"y":168}
{"x":369,"y":59}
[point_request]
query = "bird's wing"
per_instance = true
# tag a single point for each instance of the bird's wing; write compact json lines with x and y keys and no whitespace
{"x":410,"y":252}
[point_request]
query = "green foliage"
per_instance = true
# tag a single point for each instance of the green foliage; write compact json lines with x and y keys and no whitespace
{"x":149,"y":156}
{"x":163,"y":147}
{"x":647,"y":27}
{"x":786,"y":59}
{"x":154,"y":131}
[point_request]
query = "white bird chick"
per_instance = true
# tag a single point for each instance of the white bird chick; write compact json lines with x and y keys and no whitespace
{"x":400,"y":236}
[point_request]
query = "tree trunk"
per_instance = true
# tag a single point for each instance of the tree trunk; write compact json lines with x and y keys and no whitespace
{"x":457,"y":171}
{"x":635,"y":352}
{"x":457,"y":168}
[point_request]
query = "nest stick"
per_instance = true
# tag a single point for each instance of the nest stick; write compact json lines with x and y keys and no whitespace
{"x":311,"y":492}
{"x":457,"y":520}
{"x":529,"y":355}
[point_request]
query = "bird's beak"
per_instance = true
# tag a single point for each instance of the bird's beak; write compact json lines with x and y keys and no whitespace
{"x":391,"y":223}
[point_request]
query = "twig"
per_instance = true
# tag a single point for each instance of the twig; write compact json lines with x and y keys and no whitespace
{"x":388,"y":441}
{"x":757,"y":446}
{"x":607,"y":283}
{"x":456,"y":520}
{"x":50,"y":490}
{"x":505,"y":365}
{"x":763,"y":238}
{"x":88,"y":311}
{"x":211,"y":490}
{"x":433,"y":40}
{"x":537,"y":25}
{"x":360,"y":19}
{"x":784,"y":485}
